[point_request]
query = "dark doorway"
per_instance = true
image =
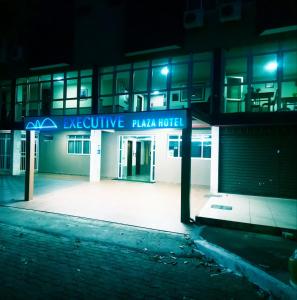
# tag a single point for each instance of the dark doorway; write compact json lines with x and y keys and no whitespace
{"x":139,"y":100}
{"x":46,"y":96}
{"x":129,"y":158}
{"x":138,"y":157}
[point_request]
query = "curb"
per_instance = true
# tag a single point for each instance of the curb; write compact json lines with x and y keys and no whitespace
{"x":238,"y":265}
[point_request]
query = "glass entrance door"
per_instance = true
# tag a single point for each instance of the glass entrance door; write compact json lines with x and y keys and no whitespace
{"x":136,"y":158}
{"x":5,"y":152}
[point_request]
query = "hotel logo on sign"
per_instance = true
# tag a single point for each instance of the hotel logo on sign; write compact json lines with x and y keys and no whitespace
{"x":127,"y":121}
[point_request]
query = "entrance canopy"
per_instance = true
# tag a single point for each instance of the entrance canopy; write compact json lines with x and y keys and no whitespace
{"x":127,"y":121}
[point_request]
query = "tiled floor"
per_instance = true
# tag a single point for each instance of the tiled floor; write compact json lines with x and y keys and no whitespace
{"x":153,"y":205}
{"x":268,"y":211}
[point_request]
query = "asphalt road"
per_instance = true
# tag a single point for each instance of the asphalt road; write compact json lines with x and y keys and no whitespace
{"x":73,"y":258}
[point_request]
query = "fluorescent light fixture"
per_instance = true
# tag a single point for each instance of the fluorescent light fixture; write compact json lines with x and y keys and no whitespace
{"x":49,"y":67}
{"x":155,"y":92}
{"x":153,"y":50}
{"x":59,"y":78}
{"x":279,"y":30}
{"x":271,"y":66}
{"x":164,"y":71}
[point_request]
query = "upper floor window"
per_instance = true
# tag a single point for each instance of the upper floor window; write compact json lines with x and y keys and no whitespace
{"x":262,"y":78}
{"x":57,"y":94}
{"x":156,"y":85}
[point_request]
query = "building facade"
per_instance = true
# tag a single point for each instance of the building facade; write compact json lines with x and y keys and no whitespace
{"x":216,"y":103}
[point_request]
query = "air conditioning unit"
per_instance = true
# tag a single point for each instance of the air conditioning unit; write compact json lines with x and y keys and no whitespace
{"x":230,"y":11}
{"x":193,"y":18}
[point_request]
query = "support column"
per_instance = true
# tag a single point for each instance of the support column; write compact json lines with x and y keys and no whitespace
{"x":29,"y":178}
{"x":218,"y":103}
{"x":186,"y":170}
{"x":16,"y":152}
{"x":214,"y":163}
{"x":95,"y":156}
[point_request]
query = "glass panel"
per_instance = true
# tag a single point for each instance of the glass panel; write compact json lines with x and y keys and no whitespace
{"x":87,"y":102}
{"x":236,"y":68}
{"x":201,"y":73}
{"x":70,"y":146}
{"x":21,"y":93}
{"x":290,"y":65}
{"x":289,"y":95}
{"x":44,"y":77}
{"x":140,"y":80}
{"x":71,"y":88}
{"x":139,"y":102}
{"x":59,"y":76}
{"x":106,"y":69}
{"x":265,"y":67}
{"x":142,"y":64}
{"x":72,"y":74}
{"x":86,"y":72}
{"x":179,"y":75}
{"x":121,"y":103}
{"x":32,"y":109}
{"x":21,"y":80}
{"x":207,"y":149}
{"x":86,"y":147}
{"x":58,"y":89}
{"x":33,"y":92}
{"x":71,"y":103}
{"x":122,"y":82}
{"x":184,"y":58}
{"x":173,"y":148}
{"x":196,"y":148}
{"x":179,"y":99}
{"x":105,"y":104}
{"x":159,"y":78}
{"x":106,"y":84}
{"x":57,"y":104}
{"x":158,"y":100}
{"x":162,"y":61}
{"x":45,"y":95}
{"x":123,"y":67}
{"x":86,"y":87}
{"x":78,"y":147}
{"x":33,"y":79}
{"x":85,"y":110}
{"x":236,"y":98}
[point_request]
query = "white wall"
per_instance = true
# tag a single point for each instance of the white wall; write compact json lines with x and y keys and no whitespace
{"x":168,"y":169}
{"x":53,"y":156}
{"x":109,"y":155}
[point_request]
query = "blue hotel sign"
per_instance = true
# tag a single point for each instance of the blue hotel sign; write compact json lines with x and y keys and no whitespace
{"x":125,"y":121}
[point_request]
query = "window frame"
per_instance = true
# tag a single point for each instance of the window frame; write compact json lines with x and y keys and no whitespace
{"x":79,"y":138}
{"x":203,"y":137}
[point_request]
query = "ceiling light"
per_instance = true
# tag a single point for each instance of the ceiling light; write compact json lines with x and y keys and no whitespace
{"x":271,"y":66}
{"x":164,"y":71}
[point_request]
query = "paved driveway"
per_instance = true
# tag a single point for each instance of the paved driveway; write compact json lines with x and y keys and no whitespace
{"x":149,"y":205}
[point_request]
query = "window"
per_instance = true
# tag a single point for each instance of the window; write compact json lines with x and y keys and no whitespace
{"x":78,"y":144}
{"x":201,"y":145}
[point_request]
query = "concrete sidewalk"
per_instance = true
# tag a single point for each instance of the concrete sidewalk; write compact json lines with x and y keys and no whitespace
{"x":261,"y":258}
{"x":267,"y":252}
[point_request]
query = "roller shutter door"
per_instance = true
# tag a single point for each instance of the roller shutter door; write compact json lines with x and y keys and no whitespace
{"x":259,"y":161}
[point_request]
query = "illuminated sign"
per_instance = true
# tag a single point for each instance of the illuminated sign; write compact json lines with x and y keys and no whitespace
{"x":126,"y":121}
